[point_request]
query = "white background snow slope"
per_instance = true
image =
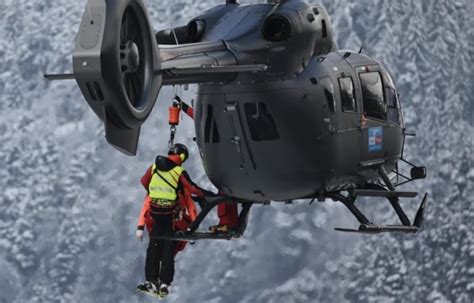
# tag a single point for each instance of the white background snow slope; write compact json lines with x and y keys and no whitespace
{"x":69,"y":201}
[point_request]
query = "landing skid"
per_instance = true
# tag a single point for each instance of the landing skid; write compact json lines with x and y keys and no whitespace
{"x":376,"y":229}
{"x":200,"y":236}
{"x":367,"y":227}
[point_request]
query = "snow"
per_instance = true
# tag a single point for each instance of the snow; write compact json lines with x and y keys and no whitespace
{"x":69,"y":202}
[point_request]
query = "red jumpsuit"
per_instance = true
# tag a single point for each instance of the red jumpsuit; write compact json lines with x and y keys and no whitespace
{"x":159,"y":262}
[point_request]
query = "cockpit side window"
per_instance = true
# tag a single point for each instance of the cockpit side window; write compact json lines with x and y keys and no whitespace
{"x":261,"y":123}
{"x":372,"y":93}
{"x":347,"y":94}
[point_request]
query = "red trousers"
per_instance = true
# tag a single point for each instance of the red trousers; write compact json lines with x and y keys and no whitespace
{"x":228,"y":214}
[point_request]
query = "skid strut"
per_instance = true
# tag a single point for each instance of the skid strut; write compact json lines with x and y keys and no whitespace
{"x":204,"y":212}
{"x":392,"y":196}
{"x":192,"y":233}
{"x":393,"y":200}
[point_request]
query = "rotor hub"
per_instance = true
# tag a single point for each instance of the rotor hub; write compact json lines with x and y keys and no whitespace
{"x":129,"y":57}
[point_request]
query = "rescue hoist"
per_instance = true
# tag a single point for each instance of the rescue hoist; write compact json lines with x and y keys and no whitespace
{"x":174,"y":115}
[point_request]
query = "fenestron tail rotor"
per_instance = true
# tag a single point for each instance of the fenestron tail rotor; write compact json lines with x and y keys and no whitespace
{"x":127,"y":57}
{"x":115,"y":62}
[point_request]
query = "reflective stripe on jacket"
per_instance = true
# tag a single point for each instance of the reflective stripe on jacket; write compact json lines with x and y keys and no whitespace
{"x":164,"y":184}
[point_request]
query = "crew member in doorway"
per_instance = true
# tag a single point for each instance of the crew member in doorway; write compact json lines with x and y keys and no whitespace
{"x":228,"y":219}
{"x":164,"y":180}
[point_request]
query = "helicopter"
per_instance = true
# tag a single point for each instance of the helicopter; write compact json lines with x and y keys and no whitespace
{"x":281,"y":113}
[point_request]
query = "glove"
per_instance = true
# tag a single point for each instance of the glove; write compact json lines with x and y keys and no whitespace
{"x":139,"y":234}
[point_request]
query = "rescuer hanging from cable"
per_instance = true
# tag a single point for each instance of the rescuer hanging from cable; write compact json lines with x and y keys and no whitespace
{"x":168,"y":205}
{"x":164,"y":180}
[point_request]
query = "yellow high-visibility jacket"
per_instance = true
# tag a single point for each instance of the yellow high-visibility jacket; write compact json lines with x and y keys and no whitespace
{"x":164,"y":184}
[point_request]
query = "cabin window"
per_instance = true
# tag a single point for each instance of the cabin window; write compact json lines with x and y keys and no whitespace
{"x":348,"y":101}
{"x":261,"y":123}
{"x":211,"y":132}
{"x":329,"y":93}
{"x":372,"y":93}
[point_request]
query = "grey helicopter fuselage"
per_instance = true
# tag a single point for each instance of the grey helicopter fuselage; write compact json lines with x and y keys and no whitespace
{"x":300,"y":128}
{"x":280,"y":112}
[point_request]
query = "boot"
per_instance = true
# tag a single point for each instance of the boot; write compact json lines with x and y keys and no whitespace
{"x":149,"y":288}
{"x":164,"y":291}
{"x":219,"y":229}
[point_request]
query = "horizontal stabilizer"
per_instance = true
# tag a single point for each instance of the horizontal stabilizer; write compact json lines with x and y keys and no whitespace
{"x":384,"y":193}
{"x":55,"y":77}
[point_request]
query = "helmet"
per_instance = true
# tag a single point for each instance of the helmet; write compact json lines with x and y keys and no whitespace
{"x":181,"y":150}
